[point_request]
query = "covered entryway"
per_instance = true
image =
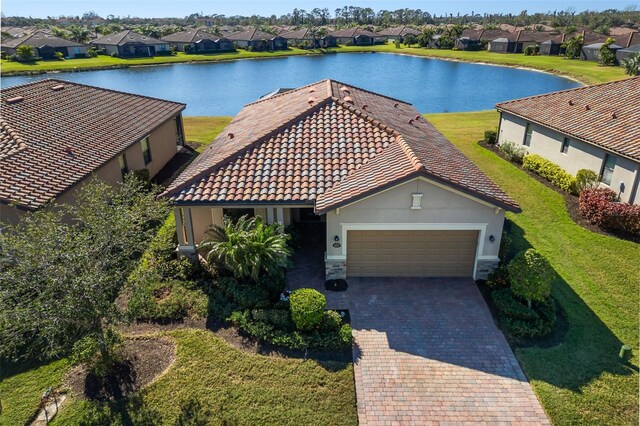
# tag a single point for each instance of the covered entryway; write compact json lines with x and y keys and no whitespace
{"x":411,"y":253}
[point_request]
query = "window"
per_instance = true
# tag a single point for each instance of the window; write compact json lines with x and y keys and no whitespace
{"x":607,"y":169}
{"x":146,"y":150}
{"x":565,"y":146}
{"x":76,"y":50}
{"x":124,"y":169}
{"x":527,"y":135}
{"x":179,"y":133}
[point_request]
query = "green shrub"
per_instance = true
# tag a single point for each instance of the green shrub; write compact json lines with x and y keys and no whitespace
{"x":244,"y":295}
{"x":513,"y":152}
{"x":499,"y":278}
{"x":505,"y":245}
{"x":346,"y":334}
{"x":531,"y":50}
{"x":551,"y":172}
{"x":531,"y":276}
{"x":25,"y":53}
{"x":490,"y":137}
{"x":278,"y":318}
{"x":58,"y":56}
{"x":507,"y":305}
{"x":307,"y":306}
{"x":586,"y":179}
{"x":331,"y":320}
{"x":520,"y":321}
{"x":115,"y":55}
{"x":92,"y":52}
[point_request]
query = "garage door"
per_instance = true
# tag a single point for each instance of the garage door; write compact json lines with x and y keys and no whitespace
{"x":411,"y":253}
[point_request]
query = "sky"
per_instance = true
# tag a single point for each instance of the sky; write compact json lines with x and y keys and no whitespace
{"x":181,"y":8}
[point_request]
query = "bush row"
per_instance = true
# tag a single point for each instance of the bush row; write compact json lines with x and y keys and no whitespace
{"x":551,"y":172}
{"x":600,"y":206}
{"x":521,"y":321}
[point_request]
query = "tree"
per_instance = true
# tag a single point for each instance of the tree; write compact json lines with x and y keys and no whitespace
{"x":632,"y":64}
{"x":573,"y":46}
{"x":409,"y":39}
{"x":79,"y":34}
{"x":424,"y":39}
{"x":25,"y":53}
{"x":248,"y":248}
{"x":62,"y":267}
{"x":607,"y":56}
{"x":531,"y":276}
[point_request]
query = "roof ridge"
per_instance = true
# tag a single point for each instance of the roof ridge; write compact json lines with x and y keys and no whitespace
{"x":573,"y":89}
{"x":369,"y":91}
{"x":258,"y":141}
{"x":288,"y":92}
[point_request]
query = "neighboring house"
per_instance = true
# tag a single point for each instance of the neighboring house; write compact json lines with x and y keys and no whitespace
{"x":395,"y":197}
{"x":593,"y":127}
{"x":357,"y":37}
{"x":499,"y":41}
{"x":307,"y":38}
{"x":57,"y":135}
{"x":258,"y":40}
{"x":591,"y":52}
{"x":46,"y":46}
{"x":198,"y":41}
{"x":398,"y":33}
{"x":552,"y":46}
{"x":623,"y":54}
{"x":127,"y":44}
{"x":529,"y":38}
{"x":470,"y":40}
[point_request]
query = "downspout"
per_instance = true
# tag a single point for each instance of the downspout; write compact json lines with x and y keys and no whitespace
{"x":499,"y":126}
{"x":634,"y":187}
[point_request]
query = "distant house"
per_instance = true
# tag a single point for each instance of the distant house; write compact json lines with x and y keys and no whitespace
{"x":470,"y":40}
{"x":591,"y":52}
{"x":258,"y":40}
{"x":552,"y":46}
{"x":398,"y":33}
{"x":357,"y":37}
{"x":127,"y":44}
{"x":198,"y":41}
{"x":623,"y":54}
{"x":528,"y":38}
{"x":499,"y":41}
{"x":46,"y":46}
{"x":306,"y":37}
{"x":57,"y":135}
{"x":592,"y":127}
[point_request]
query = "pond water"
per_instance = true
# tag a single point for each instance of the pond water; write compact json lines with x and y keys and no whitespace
{"x":431,"y":85}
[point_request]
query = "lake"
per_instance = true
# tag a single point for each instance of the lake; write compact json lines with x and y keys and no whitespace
{"x":222,"y":88}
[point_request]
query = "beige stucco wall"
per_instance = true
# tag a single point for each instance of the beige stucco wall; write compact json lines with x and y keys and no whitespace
{"x":547,"y":143}
{"x":440,"y":208}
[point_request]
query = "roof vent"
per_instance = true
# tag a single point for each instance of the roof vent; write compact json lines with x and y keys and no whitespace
{"x":230,"y":135}
{"x":311,"y":100}
{"x":344,"y":89}
{"x":417,"y":117}
{"x":313,"y":89}
{"x":570,"y":102}
{"x":396,"y":105}
{"x":15,"y":100}
{"x":57,"y":87}
{"x":365,"y":106}
{"x":587,"y":107}
{"x":348,"y":99}
{"x":614,"y":115}
{"x":411,"y":121}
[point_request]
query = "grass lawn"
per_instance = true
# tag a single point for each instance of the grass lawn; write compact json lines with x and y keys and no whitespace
{"x":581,"y":380}
{"x":587,"y":72}
{"x":202,"y":130}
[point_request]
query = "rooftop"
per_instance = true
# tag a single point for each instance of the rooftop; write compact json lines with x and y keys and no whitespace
{"x":126,"y":36}
{"x":606,"y":115}
{"x":326,"y":144}
{"x":56,"y":133}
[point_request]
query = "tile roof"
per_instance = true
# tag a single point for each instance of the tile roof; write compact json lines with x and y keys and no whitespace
{"x":191,"y":36}
{"x":538,"y":36}
{"x":56,"y":133}
{"x":606,"y":115}
{"x":251,"y":34}
{"x":353,"y":32}
{"x":126,"y":36}
{"x":399,"y":31}
{"x":326,"y":144}
{"x":39,"y":39}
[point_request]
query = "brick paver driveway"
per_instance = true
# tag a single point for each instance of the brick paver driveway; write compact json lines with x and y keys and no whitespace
{"x":427,"y":352}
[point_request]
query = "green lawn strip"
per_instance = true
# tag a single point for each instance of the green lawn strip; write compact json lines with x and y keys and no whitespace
{"x":241,"y":388}
{"x":585,"y":71}
{"x":20,"y":390}
{"x":203,"y":130}
{"x":581,"y":380}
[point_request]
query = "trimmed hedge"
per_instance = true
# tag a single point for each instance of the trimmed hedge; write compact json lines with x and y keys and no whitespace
{"x":513,"y":152}
{"x":520,"y":321}
{"x":551,"y":172}
{"x":307,"y":306}
{"x":600,"y":206}
{"x":490,"y":137}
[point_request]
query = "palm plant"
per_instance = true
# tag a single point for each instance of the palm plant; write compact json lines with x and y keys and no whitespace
{"x":632,"y":64}
{"x":248,"y":247}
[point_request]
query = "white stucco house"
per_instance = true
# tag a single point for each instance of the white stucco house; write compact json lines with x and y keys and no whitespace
{"x":592,"y":127}
{"x":392,"y":195}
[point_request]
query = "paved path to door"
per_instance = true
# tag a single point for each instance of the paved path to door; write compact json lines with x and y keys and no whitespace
{"x":427,"y":352}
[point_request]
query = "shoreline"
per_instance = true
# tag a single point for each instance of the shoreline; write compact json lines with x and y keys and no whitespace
{"x":22,"y":73}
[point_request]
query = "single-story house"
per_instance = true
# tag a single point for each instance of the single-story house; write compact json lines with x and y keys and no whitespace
{"x":198,"y":41}
{"x":57,"y":135}
{"x":591,"y":127}
{"x":127,"y":44}
{"x":357,"y":37}
{"x":258,"y":40}
{"x":591,"y":52}
{"x":307,"y":38}
{"x":470,"y":40}
{"x":529,"y":38}
{"x":398,"y":33}
{"x":46,"y":46}
{"x":552,"y":46}
{"x":499,"y":41}
{"x":391,"y":195}
{"x":623,"y":54}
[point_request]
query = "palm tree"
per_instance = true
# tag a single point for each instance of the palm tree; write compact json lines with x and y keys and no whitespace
{"x":79,"y":34}
{"x":632,"y":64}
{"x":248,"y":248}
{"x":424,"y":39}
{"x":573,"y":46}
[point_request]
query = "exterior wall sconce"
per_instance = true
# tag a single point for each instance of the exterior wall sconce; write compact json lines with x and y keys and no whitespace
{"x":492,"y":238}
{"x":416,"y":201}
{"x":336,"y":242}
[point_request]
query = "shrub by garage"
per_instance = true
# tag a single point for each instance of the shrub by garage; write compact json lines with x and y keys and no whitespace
{"x":601,"y":207}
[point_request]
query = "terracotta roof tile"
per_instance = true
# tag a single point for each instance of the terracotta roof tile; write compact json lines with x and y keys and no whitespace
{"x":52,"y":139}
{"x":346,"y":145}
{"x":566,"y":111}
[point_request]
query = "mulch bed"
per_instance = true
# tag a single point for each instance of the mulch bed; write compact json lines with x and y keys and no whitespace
{"x":143,"y":360}
{"x":571,"y":202}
